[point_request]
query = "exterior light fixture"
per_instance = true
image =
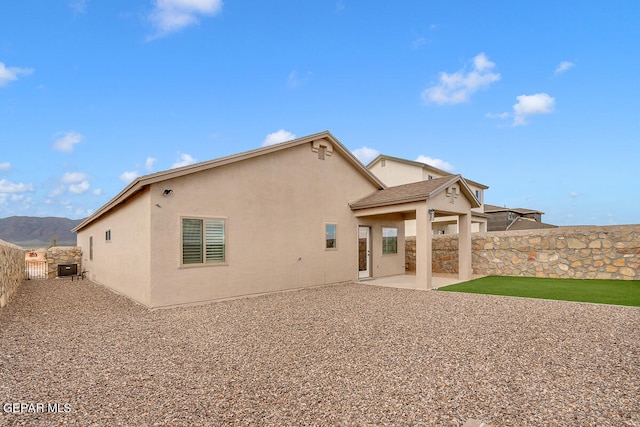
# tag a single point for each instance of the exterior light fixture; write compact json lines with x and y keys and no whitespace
{"x":432,"y":214}
{"x":167,"y":192}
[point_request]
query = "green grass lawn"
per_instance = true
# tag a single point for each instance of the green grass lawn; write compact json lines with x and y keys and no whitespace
{"x":619,"y":292}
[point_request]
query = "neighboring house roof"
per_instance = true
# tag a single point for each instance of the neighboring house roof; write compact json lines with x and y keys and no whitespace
{"x":422,"y":165}
{"x":414,"y":192}
{"x":140,"y":183}
{"x":521,"y":211}
{"x":521,"y":223}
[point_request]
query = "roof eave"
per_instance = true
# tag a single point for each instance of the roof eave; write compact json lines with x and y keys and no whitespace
{"x":146,"y":180}
{"x":357,"y":207}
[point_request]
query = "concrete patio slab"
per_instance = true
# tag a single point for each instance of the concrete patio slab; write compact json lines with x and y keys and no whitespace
{"x":408,"y":281}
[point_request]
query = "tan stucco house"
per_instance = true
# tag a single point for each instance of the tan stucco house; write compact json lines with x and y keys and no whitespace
{"x":502,"y":218}
{"x":396,"y":171}
{"x":297,"y":214}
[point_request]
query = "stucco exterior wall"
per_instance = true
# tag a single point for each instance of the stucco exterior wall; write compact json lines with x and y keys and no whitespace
{"x":397,"y":173}
{"x":610,"y":252}
{"x":276,"y":207}
{"x":12,"y":270}
{"x":385,"y":264}
{"x":122,"y":263}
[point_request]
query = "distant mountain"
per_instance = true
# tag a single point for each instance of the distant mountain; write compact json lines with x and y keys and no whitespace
{"x":36,"y":232}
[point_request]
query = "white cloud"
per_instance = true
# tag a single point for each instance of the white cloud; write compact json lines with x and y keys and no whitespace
{"x":66,"y":140}
{"x":564,"y":66}
{"x":5,"y":166}
{"x":530,"y":105}
{"x":97,"y":191}
{"x":78,"y":7}
{"x":481,"y":63}
{"x":183,"y":160}
{"x":21,"y":198}
{"x":459,"y":86}
{"x":365,"y":154}
{"x":25,"y":202}
{"x":60,"y":189}
{"x":294,"y":81}
{"x":12,"y":187}
{"x":169,"y":16}
{"x":73,"y":177}
{"x":497,"y":115}
{"x":418,"y":42}
{"x":148,"y":165}
{"x":128,"y":176}
{"x":79,"y":188}
{"x":438,"y":163}
{"x":278,"y":137}
{"x":11,"y":73}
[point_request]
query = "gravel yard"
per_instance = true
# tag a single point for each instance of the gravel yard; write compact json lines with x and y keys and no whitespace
{"x":338,"y":355}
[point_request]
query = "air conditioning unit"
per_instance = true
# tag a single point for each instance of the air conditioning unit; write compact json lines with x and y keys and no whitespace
{"x":65,"y":270}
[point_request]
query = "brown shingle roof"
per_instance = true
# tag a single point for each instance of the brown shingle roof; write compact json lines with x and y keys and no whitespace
{"x":528,"y":224}
{"x":406,"y":193}
{"x":522,"y":211}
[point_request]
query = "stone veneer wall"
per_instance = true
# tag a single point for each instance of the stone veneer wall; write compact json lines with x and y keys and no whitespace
{"x":445,"y":253}
{"x":410,"y":253}
{"x":609,"y":252}
{"x":62,"y":255}
{"x":12,"y":272}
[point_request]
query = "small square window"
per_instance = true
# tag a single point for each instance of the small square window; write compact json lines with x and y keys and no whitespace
{"x":389,"y":240}
{"x":330,"y":236}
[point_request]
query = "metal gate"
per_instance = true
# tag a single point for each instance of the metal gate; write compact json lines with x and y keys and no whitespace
{"x":36,"y":269}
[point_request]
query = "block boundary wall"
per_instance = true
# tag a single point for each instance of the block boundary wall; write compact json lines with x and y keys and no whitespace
{"x":584,"y":252}
{"x":60,"y":255}
{"x":12,"y":271}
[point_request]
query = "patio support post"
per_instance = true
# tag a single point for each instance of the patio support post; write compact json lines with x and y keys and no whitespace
{"x":465,"y":268}
{"x":423,"y":247}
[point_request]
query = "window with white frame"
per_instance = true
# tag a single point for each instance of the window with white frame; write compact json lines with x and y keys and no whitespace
{"x":389,"y":240}
{"x":107,"y":235}
{"x":330,"y":236}
{"x":203,"y":241}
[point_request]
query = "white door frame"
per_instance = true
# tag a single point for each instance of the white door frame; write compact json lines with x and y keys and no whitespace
{"x":366,"y":234}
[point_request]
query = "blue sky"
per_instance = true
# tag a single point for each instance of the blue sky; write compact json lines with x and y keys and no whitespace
{"x":537,"y":100}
